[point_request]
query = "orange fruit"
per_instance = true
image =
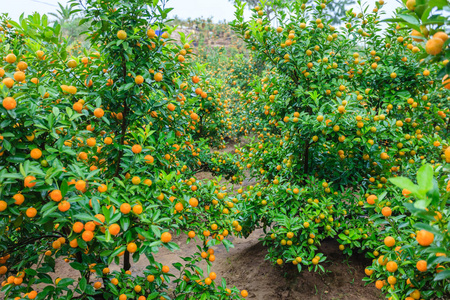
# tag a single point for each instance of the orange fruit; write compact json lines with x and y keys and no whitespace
{"x":136,"y":149}
{"x":179,"y":206}
{"x":122,"y":35}
{"x":165,"y":269}
{"x":421,"y":265}
{"x":193,"y":202}
{"x":386,"y":211}
{"x":441,"y":35}
{"x":166,"y":237}
{"x":379,"y":284}
{"x":391,"y":266}
{"x":114,"y":229}
{"x":9,"y":103}
{"x":139,"y":79}
{"x":11,"y":58}
{"x":30,"y":181}
{"x":125,"y":208}
{"x":87,"y":236}
{"x":3,"y":205}
{"x":36,"y":153}
{"x":89,"y":226}
{"x":425,"y":238}
{"x":31,"y":212}
{"x":56,"y":195}
{"x":149,"y":159}
{"x":389,"y":241}
{"x":434,"y":46}
{"x":98,"y":112}
{"x":371,"y":199}
{"x":137,"y":209}
{"x":77,"y":227}
{"x":64,"y":206}
{"x":131,"y":247}
{"x":158,"y":77}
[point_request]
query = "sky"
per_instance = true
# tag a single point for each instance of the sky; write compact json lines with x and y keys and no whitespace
{"x":218,"y":9}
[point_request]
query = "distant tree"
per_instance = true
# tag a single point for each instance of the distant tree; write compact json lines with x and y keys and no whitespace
{"x":65,"y":13}
{"x":336,"y":9}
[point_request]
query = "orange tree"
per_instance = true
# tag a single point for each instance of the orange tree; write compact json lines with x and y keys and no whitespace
{"x":349,"y":106}
{"x":94,"y":152}
{"x":412,"y":261}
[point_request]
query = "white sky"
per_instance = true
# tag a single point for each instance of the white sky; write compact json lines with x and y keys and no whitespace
{"x":218,"y":9}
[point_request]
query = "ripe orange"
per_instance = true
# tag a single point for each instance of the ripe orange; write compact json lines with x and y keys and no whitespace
{"x":165,"y":269}
{"x":171,"y":107}
{"x":193,"y":202}
{"x":8,"y":82}
{"x":389,"y":241}
{"x":125,"y":208}
{"x":382,"y":261}
{"x":30,"y":181}
{"x":101,"y":218}
{"x":9,"y":103}
{"x":89,"y":226}
{"x":194,"y":116}
{"x":136,"y":149}
{"x":158,"y":77}
{"x":244,"y":293}
{"x":3,"y":205}
{"x":149,"y":159}
{"x":64,"y":206}
{"x":421,"y":265}
{"x":371,"y":199}
{"x":102,"y":188}
{"x":31,"y":212}
{"x":191,"y":234}
{"x":121,"y":34}
{"x":98,"y":112}
{"x":131,"y":247}
{"x":80,"y":185}
{"x":386,"y":211}
{"x":87,"y":236}
{"x":425,"y":238}
{"x":379,"y":284}
{"x":391,"y":266}
{"x":166,"y":237}
{"x":179,"y":206}
{"x":114,"y":229}
{"x":19,"y":76}
{"x":368,"y":272}
{"x":36,"y":153}
{"x":139,"y":79}
{"x":56,"y":195}
{"x":77,"y":227}
{"x":11,"y":58}
{"x":137,"y":209}
{"x":434,"y":46}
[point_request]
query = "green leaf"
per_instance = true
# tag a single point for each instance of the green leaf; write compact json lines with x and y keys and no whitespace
{"x":82,"y":284}
{"x":405,"y":183}
{"x":442,"y":275}
{"x":55,"y":111}
{"x":83,"y":217}
{"x":425,"y":178}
